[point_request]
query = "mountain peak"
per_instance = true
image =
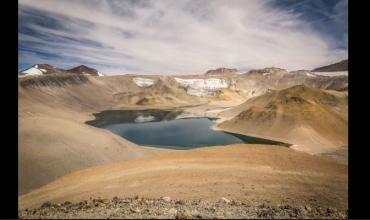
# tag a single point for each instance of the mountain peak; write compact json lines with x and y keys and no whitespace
{"x":82,"y":69}
{"x":39,"y":69}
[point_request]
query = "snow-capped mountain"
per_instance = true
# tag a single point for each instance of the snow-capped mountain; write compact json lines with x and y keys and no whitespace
{"x":32,"y":71}
{"x":44,"y":69}
{"x":40,"y":69}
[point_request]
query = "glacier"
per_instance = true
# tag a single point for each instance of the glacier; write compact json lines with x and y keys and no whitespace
{"x":143,"y":82}
{"x":33,"y":71}
{"x":335,"y":73}
{"x":203,"y":87}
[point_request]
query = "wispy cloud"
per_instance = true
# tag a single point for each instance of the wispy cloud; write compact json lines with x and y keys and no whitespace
{"x":169,"y":37}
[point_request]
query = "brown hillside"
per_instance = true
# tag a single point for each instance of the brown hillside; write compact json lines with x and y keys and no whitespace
{"x":314,"y":120}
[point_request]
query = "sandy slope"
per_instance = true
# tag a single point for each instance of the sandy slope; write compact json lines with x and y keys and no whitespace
{"x":314,"y":120}
{"x":54,"y":140}
{"x":51,"y":147}
{"x":251,"y":173}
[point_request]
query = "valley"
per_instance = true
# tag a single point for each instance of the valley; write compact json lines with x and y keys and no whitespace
{"x":62,"y":157}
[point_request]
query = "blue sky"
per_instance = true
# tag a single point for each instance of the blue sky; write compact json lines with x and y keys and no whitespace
{"x":183,"y":36}
{"x":328,"y":17}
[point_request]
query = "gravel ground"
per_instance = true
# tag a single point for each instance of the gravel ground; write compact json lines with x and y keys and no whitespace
{"x":167,"y":208}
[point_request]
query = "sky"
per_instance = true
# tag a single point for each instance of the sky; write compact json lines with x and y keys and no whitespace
{"x":182,"y":36}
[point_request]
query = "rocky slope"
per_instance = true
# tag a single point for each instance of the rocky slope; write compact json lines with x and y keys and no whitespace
{"x":144,"y":208}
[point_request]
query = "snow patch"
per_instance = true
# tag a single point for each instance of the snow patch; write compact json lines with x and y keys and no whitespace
{"x":33,"y":71}
{"x":310,"y":74}
{"x":43,"y":70}
{"x":141,"y":119}
{"x":202,"y":87}
{"x":100,"y":74}
{"x":143,"y":82}
{"x":188,"y":115}
{"x":200,"y":92}
{"x":206,"y":114}
{"x":337,"y":73}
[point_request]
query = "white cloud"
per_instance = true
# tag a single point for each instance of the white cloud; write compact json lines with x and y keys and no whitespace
{"x":170,"y":37}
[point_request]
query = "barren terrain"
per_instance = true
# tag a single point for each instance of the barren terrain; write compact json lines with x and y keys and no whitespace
{"x":247,"y":173}
{"x":61,"y":158}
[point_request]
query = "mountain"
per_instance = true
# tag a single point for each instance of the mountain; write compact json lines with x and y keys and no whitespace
{"x":258,"y":81}
{"x":322,"y":80}
{"x":293,"y":114}
{"x":46,"y":69}
{"x":41,"y":69}
{"x":340,"y":66}
{"x":222,"y":71}
{"x":82,"y":69}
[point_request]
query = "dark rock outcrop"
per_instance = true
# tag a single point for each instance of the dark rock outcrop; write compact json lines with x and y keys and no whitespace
{"x":222,"y":71}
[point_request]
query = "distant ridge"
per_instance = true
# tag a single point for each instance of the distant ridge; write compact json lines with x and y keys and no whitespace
{"x":340,"y":66}
{"x":268,"y":71}
{"x":45,"y":69}
{"x":222,"y":71}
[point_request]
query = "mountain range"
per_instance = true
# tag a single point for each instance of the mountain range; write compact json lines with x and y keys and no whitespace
{"x":45,"y":69}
